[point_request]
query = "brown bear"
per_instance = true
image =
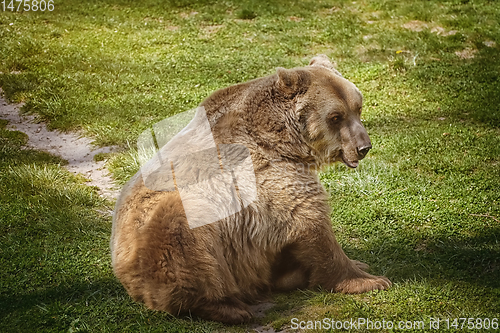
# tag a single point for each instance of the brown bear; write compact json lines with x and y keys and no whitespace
{"x":283,"y":240}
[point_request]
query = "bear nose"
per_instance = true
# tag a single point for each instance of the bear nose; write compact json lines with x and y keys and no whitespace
{"x":362,"y":151}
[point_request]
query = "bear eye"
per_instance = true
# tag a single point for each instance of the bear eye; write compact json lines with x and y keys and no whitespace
{"x":334,"y":119}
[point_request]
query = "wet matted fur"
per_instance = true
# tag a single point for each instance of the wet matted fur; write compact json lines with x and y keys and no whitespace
{"x":292,"y":122}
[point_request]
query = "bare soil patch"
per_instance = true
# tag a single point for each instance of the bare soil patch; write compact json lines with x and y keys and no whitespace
{"x":210,"y":30}
{"x":467,"y":53}
{"x":418,"y":26}
{"x":415,"y":25}
{"x":442,"y":32}
{"x":259,"y":311}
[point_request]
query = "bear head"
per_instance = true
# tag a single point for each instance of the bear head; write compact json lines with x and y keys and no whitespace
{"x":328,"y":110}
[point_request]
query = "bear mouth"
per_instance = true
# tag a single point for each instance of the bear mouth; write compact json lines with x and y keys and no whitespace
{"x":351,"y":164}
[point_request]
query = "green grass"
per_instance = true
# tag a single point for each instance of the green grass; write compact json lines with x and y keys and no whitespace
{"x":423,"y":208}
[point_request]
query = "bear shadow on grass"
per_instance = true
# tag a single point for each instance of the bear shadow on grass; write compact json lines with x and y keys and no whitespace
{"x":474,"y":259}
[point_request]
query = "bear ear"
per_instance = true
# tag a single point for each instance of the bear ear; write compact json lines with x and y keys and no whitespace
{"x":322,"y":60}
{"x":292,"y":81}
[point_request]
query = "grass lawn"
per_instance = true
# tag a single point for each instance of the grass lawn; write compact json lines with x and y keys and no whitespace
{"x":423,"y":208}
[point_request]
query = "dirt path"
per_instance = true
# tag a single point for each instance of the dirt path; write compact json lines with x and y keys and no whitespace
{"x":74,"y":148}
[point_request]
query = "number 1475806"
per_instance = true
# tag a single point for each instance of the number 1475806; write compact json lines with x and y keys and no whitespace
{"x":27,"y":5}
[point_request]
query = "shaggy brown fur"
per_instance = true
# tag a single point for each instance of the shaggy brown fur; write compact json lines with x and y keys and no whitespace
{"x":284,"y":240}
